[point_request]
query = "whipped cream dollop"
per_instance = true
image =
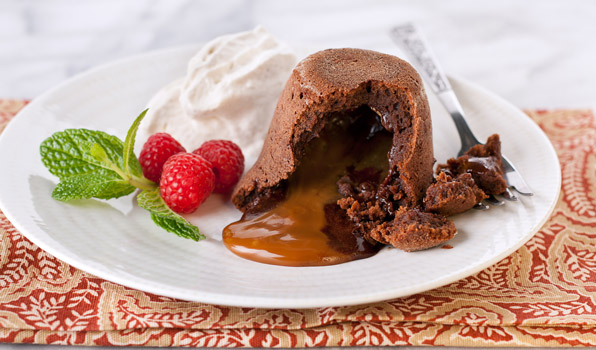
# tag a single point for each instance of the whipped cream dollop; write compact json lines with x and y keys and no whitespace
{"x":229,"y":92}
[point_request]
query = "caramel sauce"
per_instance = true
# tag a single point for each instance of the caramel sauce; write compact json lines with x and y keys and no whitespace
{"x":308,"y":228}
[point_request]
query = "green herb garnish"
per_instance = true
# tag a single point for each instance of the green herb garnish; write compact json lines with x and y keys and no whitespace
{"x":93,"y":164}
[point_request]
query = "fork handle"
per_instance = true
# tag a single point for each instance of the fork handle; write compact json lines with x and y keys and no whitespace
{"x":412,"y":42}
{"x":451,"y":104}
{"x":410,"y":39}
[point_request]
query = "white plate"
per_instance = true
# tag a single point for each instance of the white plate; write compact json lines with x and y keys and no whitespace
{"x":117,"y":241}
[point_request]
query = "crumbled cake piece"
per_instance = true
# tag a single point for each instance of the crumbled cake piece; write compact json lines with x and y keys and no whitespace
{"x":484,"y":163}
{"x":413,"y":230}
{"x":450,"y":196}
{"x":492,"y":148}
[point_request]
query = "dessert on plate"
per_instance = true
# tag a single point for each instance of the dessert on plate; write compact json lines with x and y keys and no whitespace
{"x":347,"y":165}
{"x":345,"y":168}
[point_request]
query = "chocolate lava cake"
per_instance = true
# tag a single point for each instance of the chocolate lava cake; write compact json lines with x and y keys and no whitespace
{"x":331,"y":85}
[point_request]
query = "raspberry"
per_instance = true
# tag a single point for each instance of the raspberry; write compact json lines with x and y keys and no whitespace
{"x":186,"y":182}
{"x":227,"y":160}
{"x":156,"y":151}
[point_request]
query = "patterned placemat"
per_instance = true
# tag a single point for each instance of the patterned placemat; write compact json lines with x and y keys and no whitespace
{"x":542,"y":295}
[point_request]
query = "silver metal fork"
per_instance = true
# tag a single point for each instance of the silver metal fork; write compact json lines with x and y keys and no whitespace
{"x":409,"y":38}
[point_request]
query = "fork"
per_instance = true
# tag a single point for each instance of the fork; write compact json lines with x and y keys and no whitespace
{"x":410,"y":39}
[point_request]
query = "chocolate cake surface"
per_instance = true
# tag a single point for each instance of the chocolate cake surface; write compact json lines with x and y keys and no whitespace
{"x":324,"y":87}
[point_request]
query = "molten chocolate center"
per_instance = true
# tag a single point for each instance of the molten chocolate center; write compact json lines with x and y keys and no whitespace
{"x":308,"y":228}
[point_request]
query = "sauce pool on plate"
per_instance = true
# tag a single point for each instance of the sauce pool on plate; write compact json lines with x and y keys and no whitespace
{"x":308,"y":228}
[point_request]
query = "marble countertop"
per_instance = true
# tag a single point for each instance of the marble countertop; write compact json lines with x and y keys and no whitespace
{"x":534,"y":53}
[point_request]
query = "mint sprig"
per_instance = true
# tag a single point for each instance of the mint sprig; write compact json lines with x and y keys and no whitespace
{"x":94,"y":164}
{"x":165,"y":218}
{"x":91,"y":186}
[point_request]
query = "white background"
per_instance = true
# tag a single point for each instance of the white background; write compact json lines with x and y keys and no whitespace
{"x":536,"y":54}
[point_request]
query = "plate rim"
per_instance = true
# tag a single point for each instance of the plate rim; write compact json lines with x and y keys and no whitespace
{"x":264,"y":301}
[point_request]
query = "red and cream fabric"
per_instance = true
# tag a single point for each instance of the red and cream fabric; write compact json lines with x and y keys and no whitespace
{"x":542,"y":295}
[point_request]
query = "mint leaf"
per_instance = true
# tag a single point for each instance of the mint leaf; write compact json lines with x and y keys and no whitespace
{"x":67,"y":153}
{"x":97,"y":152}
{"x":102,"y":186}
{"x":131,"y":164}
{"x":182,"y":229}
{"x":164,"y":217}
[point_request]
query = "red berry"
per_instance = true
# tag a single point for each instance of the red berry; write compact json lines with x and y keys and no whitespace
{"x":186,"y":182}
{"x":227,"y":160}
{"x":156,"y":151}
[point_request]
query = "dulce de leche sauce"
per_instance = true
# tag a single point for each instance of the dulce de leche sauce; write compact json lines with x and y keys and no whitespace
{"x":308,"y":228}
